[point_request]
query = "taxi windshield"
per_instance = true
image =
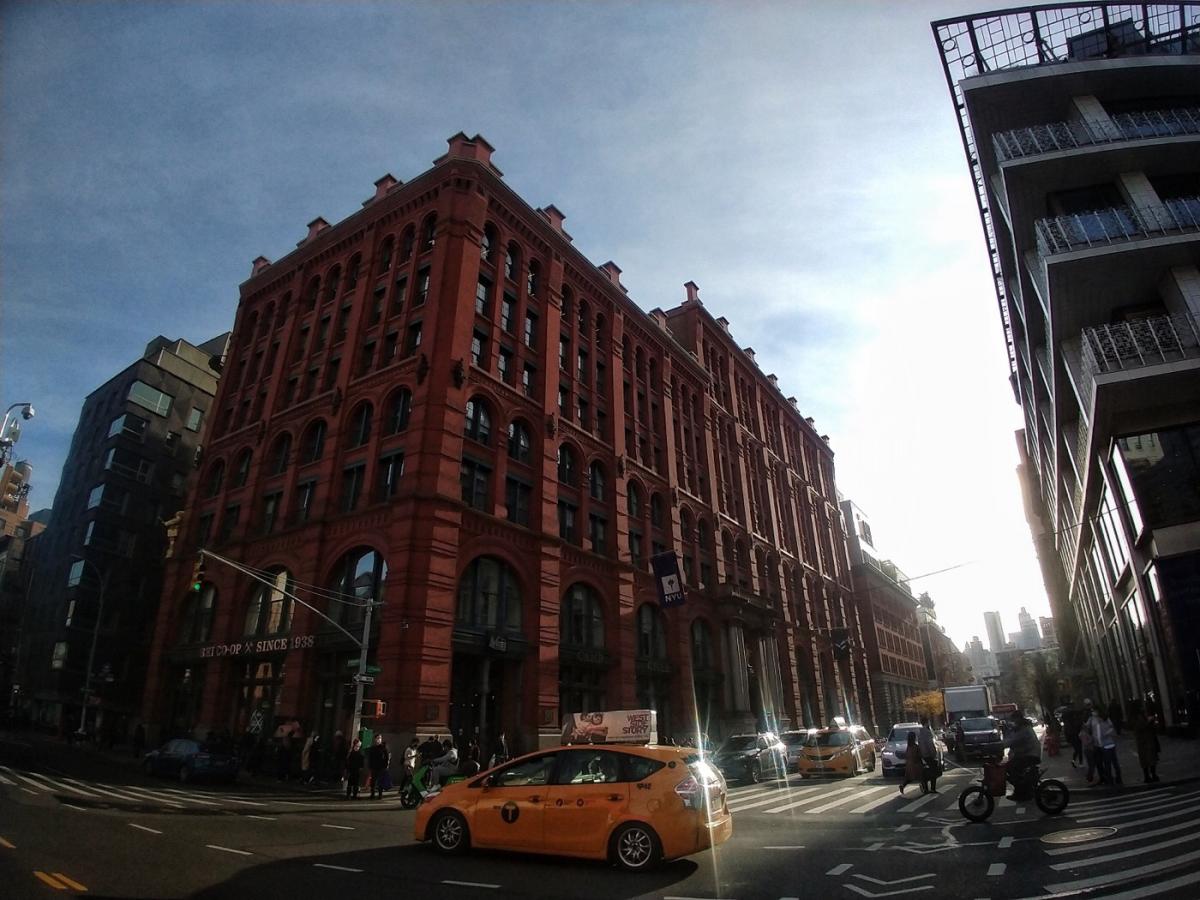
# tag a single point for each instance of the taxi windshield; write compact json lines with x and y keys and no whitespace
{"x":829,"y":739}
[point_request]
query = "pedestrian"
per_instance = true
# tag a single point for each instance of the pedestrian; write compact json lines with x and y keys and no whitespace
{"x":929,"y":755}
{"x":1072,"y":721}
{"x":500,"y":754}
{"x":1104,"y":733}
{"x":352,"y":768}
{"x":914,"y":766}
{"x":1145,"y":732}
{"x":446,"y":764}
{"x":308,"y":758}
{"x":430,"y":749}
{"x":283,"y":757}
{"x":378,"y":759}
{"x":410,"y":763}
{"x":139,"y":740}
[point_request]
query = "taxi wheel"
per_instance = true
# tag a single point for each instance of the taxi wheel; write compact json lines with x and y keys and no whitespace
{"x":635,"y":847}
{"x":449,"y":831}
{"x":754,"y":773}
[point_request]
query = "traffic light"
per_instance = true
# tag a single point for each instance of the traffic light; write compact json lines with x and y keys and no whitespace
{"x":373,"y":709}
{"x":198,"y":575}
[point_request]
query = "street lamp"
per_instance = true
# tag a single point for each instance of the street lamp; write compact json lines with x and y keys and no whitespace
{"x":10,"y":428}
{"x":87,"y":681}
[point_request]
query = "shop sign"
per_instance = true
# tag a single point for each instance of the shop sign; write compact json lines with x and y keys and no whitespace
{"x":251,"y":648}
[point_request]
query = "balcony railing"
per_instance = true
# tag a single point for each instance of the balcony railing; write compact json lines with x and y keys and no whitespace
{"x":1023,"y":142}
{"x":1141,"y":342}
{"x":1102,"y":227}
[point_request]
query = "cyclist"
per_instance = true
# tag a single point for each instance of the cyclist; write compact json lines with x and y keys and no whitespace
{"x":1024,"y":757}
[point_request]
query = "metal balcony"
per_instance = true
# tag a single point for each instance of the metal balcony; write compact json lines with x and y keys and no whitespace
{"x":1020,"y":143}
{"x":1141,"y":342}
{"x":1103,"y":227}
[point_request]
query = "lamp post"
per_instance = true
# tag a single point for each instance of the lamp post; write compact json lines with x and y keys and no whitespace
{"x":87,"y":680}
{"x":10,"y":424}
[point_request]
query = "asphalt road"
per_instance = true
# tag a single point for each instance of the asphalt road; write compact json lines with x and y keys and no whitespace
{"x":70,"y":822}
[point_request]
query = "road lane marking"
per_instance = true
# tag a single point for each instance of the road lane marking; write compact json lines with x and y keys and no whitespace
{"x":7,"y":781}
{"x":839,"y":870}
{"x":479,"y":884}
{"x":4,"y":843}
{"x":793,"y":847}
{"x":263,"y":818}
{"x":71,"y":883}
{"x":919,"y":802}
{"x":840,"y":800}
{"x":1125,"y":854}
{"x":143,"y":828}
{"x":904,"y":827}
{"x":228,"y":849}
{"x":48,"y":783}
{"x":812,"y":799}
{"x":996,"y":869}
{"x":886,"y":797}
{"x":126,"y":793}
{"x":28,"y":791}
{"x":769,"y":800}
{"x":50,"y":880}
{"x":1189,"y":826}
{"x":336,"y":868}
{"x":189,"y":798}
{"x":340,"y":827}
{"x":1126,"y":875}
{"x":1183,"y":805}
{"x":1005,"y":843}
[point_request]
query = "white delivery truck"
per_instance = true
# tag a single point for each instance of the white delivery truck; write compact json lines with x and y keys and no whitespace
{"x":966,"y":701}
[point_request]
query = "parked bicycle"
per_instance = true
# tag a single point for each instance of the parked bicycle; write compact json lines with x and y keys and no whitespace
{"x":978,"y":800}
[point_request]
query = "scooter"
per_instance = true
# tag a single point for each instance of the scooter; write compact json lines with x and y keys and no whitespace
{"x":418,"y":787}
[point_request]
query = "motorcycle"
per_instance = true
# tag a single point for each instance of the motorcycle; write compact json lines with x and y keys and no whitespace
{"x":978,"y":800}
{"x":418,"y":787}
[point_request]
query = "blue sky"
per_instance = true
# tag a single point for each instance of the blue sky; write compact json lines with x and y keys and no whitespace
{"x":799,"y":161}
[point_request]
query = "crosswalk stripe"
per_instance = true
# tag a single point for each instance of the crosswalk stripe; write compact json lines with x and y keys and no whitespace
{"x":143,"y":795}
{"x":1124,"y":875}
{"x":49,"y":784}
{"x":885,"y":797}
{"x":1129,"y":798}
{"x":1188,"y":825}
{"x":27,"y":780}
{"x":190,"y":798}
{"x":840,"y":800}
{"x":921,"y":801}
{"x":767,"y":801}
{"x":1179,"y":806}
{"x":1125,"y":854}
{"x":806,"y":801}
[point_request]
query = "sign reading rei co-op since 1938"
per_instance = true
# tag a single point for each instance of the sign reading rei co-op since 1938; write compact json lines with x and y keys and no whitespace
{"x":253,"y":648}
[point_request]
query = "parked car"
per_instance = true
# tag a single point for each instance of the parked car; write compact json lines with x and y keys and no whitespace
{"x":631,"y":805}
{"x":190,"y":760}
{"x":752,"y":757}
{"x":896,"y":747}
{"x":978,"y":738}
{"x":837,"y":751}
{"x":793,"y":743}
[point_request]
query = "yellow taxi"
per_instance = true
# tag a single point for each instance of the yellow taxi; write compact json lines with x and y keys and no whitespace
{"x":836,"y":751}
{"x":631,"y":805}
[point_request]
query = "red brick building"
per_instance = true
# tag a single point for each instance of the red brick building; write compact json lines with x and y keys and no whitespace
{"x":440,"y":403}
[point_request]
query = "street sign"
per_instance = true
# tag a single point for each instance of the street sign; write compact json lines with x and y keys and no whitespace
{"x":373,"y":670}
{"x":364,"y":679}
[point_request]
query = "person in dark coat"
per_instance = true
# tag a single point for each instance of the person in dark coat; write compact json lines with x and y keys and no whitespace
{"x":378,"y":759}
{"x":353,"y":768}
{"x":1145,"y":733}
{"x":914,"y":766}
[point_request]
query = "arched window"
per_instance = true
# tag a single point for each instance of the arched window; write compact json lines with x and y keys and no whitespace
{"x":597,"y":483}
{"x":270,"y":609}
{"x":600,"y":331}
{"x":310,"y":294}
{"x":313,"y":443}
{"x":478,"y":426}
{"x":196,"y":622}
{"x":353,"y":269}
{"x":533,"y":282}
{"x":489,"y":596}
{"x":585,"y":321}
{"x":332,"y":281}
{"x":487,"y":245}
{"x":281,"y":452}
{"x":399,"y":408}
{"x":567,"y":305}
{"x":652,"y":635}
{"x":635,"y":501}
{"x":241,"y":471}
{"x":656,"y":510}
{"x":386,"y":249}
{"x":216,"y":476}
{"x":358,"y":577}
{"x":581,"y":620}
{"x":702,"y":645}
{"x":512,"y":262}
{"x":519,"y":444}
{"x":360,"y":425}
{"x":568,"y":472}
{"x":428,"y":232}
{"x":407,"y":241}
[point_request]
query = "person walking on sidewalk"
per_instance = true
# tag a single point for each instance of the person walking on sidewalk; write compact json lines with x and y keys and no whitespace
{"x":1145,"y":732}
{"x":914,"y":766}
{"x":1104,"y":733}
{"x":353,"y":769}
{"x":378,"y":759}
{"x":1087,"y":738}
{"x":929,"y":755}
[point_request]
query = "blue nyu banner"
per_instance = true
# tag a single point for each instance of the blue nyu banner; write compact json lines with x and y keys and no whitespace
{"x":668,"y":580}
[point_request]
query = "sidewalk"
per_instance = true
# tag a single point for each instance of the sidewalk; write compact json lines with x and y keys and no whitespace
{"x":1178,"y":761}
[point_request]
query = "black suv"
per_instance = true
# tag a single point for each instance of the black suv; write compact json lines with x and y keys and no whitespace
{"x":978,"y":738}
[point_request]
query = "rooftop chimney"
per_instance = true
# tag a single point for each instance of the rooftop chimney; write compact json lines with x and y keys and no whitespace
{"x":724,"y":323}
{"x":463,"y":147}
{"x":259,"y":264}
{"x":382,"y":186}
{"x":749,"y":351}
{"x":825,"y":438}
{"x":774,"y":379}
{"x":810,"y":420}
{"x":613,"y":271}
{"x":693,"y":292}
{"x":315,"y":227}
{"x":795,"y":403}
{"x":554,"y":216}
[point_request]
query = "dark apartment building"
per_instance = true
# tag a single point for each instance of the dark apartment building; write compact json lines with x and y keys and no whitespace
{"x":100,"y":563}
{"x":1081,"y":125}
{"x":440,"y":405}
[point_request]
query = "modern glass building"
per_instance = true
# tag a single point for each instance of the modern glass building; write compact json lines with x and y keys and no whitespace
{"x":1081,"y":126}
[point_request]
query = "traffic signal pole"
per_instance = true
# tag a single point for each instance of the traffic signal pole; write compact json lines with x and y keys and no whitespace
{"x":356,"y":722}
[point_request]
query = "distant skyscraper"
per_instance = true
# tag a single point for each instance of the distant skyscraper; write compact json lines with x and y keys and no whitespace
{"x":995,"y":631}
{"x":983,"y":661}
{"x":1049,"y":632}
{"x":1030,"y":638}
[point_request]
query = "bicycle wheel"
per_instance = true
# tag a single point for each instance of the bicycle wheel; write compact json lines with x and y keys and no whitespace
{"x":975,"y":803}
{"x":1051,"y":796}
